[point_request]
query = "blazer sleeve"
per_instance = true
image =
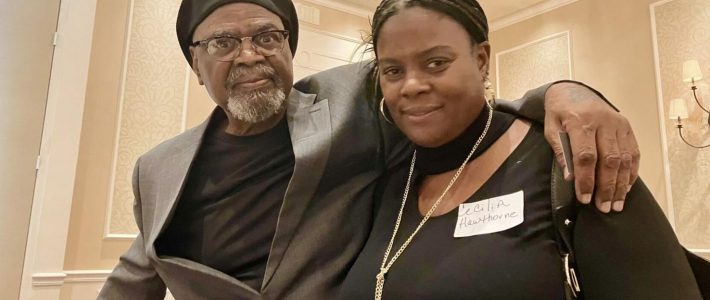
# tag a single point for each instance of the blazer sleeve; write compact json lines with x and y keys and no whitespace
{"x":532,"y":105}
{"x":633,"y":254}
{"x":355,"y":83}
{"x":134,"y":277}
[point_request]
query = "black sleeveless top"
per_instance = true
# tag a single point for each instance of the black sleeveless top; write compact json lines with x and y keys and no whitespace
{"x":518,"y":263}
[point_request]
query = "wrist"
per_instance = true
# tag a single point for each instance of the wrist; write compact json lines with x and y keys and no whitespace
{"x":574,"y":91}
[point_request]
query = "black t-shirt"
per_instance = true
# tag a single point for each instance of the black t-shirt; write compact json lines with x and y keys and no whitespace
{"x":518,"y":263}
{"x":226,"y":217}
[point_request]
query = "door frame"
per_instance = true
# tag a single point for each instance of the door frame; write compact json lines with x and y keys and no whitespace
{"x":43,"y":273}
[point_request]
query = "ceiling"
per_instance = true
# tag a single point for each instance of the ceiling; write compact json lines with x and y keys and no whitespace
{"x":495,"y":9}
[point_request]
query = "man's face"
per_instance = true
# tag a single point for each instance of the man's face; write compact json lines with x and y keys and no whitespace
{"x":251,"y":87}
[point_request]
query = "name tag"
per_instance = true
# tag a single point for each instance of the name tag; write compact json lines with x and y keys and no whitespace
{"x":490,"y":215}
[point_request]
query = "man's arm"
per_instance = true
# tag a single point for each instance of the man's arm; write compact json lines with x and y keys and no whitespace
{"x":605,"y":154}
{"x":134,"y":276}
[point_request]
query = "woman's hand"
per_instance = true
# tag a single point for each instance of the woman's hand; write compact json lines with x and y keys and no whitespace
{"x":603,"y":146}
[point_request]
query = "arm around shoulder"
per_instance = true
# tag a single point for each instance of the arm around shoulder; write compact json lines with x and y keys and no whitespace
{"x":134,"y":277}
{"x":532,"y":105}
{"x":603,"y":152}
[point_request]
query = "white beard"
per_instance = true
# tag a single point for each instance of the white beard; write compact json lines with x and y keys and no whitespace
{"x":256,"y":105}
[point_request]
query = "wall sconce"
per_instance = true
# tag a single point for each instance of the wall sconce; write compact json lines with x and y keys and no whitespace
{"x":678,"y":110}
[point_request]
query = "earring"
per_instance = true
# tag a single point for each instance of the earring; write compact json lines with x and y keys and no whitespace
{"x":382,"y":111}
{"x":489,"y":93}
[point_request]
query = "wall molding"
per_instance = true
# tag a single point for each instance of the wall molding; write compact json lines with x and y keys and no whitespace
{"x":662,"y":114}
{"x":69,"y":276}
{"x":346,"y":8}
{"x":517,"y":17}
{"x":331,"y":34}
{"x":48,"y":279}
{"x":537,"y":41}
{"x":350,"y":58}
{"x":86,"y":276}
{"x":127,"y":146}
{"x":120,"y":236}
{"x":310,"y":53}
{"x":323,"y":50}
{"x":54,"y":186}
{"x":119,"y":117}
{"x":86,"y":283}
{"x":528,"y":13}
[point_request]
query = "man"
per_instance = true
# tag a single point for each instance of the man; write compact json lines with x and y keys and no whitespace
{"x":272,"y":197}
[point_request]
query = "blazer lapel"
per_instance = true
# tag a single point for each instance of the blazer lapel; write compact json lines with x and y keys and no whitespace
{"x":310,"y":128}
{"x":173,"y":175}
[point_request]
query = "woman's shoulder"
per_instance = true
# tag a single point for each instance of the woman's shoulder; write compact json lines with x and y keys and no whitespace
{"x":524,"y":136}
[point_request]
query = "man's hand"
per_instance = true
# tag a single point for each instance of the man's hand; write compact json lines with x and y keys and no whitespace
{"x":604,"y":149}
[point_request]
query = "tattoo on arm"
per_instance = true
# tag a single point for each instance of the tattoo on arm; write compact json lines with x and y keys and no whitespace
{"x":578,"y":94}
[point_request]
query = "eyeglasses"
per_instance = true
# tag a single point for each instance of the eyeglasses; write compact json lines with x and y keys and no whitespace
{"x":227,"y":48}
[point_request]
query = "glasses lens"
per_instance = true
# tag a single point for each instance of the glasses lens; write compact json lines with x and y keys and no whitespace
{"x":269,"y":42}
{"x":222,"y":47}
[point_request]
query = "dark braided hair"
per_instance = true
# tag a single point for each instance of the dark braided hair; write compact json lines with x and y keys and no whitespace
{"x":468,"y":13}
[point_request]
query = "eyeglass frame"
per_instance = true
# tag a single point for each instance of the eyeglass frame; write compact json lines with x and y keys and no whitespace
{"x":204,"y":43}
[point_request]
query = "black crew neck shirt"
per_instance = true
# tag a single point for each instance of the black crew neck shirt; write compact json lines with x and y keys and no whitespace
{"x":227,"y":214}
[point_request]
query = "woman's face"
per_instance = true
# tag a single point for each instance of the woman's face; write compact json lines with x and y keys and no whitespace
{"x":431,"y":75}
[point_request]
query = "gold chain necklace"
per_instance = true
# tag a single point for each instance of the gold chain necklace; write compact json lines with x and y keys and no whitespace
{"x":385,"y":267}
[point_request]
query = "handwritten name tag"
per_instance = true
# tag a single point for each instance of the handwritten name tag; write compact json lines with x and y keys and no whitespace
{"x":491,"y":215}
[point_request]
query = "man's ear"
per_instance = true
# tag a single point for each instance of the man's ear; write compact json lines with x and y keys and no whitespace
{"x":483,"y":56}
{"x":195,"y":68}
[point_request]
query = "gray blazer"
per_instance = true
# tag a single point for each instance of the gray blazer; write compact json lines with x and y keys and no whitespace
{"x":341,"y":148}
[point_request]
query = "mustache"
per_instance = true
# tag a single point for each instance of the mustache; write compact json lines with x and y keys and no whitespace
{"x":239,"y":71}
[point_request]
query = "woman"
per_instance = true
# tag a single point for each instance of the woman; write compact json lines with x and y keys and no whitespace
{"x":470,"y":217}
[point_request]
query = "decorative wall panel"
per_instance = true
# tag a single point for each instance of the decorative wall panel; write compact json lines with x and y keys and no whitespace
{"x":682,"y":32}
{"x":152,"y":103}
{"x":531,"y":65}
{"x":319,"y":50}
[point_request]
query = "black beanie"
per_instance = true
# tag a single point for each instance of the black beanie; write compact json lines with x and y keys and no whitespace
{"x":193,"y":12}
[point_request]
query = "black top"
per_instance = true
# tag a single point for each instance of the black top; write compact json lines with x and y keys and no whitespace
{"x":518,"y":263}
{"x":450,"y":156}
{"x":226,"y":217}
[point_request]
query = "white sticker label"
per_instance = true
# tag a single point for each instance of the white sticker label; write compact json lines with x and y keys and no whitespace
{"x":490,"y":215}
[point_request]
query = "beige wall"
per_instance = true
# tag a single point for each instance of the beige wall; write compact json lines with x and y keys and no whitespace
{"x":338,"y":21}
{"x":87,"y":248}
{"x":683,"y":33}
{"x":612,"y":50}
{"x":532,"y":64}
